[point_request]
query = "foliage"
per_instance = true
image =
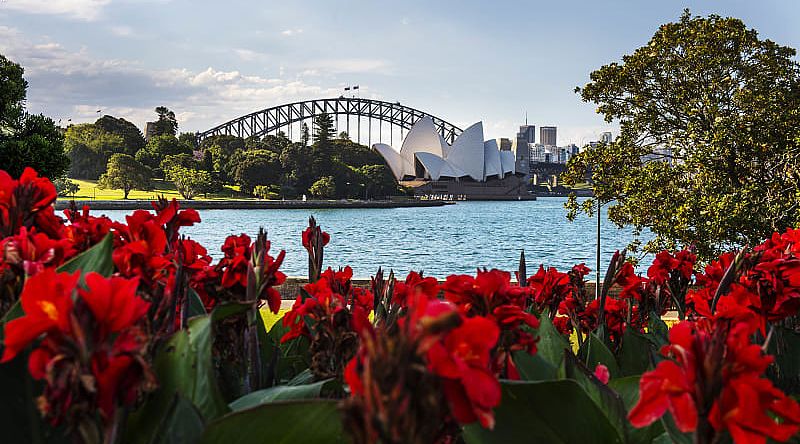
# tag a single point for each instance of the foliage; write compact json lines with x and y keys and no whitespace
{"x":707,"y":151}
{"x":188,"y":181}
{"x":324,"y":188}
{"x":221,"y":149}
{"x":89,"y":147}
{"x":167,"y":124}
{"x":13,"y":87}
{"x":323,"y":128}
{"x":65,"y":187}
{"x":132,"y":138}
{"x":252,"y":168}
{"x":158,"y":148}
{"x":266,"y":191}
{"x":125,"y":173}
{"x":38,"y":143}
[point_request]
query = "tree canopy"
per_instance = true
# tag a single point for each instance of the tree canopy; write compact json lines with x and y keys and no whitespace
{"x":125,"y":173}
{"x":89,"y":147}
{"x":166,"y":124}
{"x":707,"y":155}
{"x":26,"y":139}
{"x":132,"y":138}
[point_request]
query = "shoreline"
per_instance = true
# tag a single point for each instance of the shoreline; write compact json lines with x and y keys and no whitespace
{"x":253,"y":204}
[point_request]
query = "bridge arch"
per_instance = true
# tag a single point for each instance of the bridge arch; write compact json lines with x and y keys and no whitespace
{"x":270,"y":120}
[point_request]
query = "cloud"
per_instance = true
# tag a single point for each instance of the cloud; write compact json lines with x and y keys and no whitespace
{"x":72,"y":84}
{"x":77,"y":9}
{"x":349,"y":66}
{"x":121,"y":31}
{"x":291,"y":32}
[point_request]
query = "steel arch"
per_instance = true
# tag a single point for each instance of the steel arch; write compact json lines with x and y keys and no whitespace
{"x":268,"y":120}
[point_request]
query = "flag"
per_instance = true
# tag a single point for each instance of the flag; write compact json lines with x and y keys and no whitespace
{"x":355,"y":87}
{"x":99,"y":110}
{"x":347,"y":89}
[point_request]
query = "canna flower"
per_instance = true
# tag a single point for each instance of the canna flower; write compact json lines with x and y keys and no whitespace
{"x":113,"y":302}
{"x":47,"y":302}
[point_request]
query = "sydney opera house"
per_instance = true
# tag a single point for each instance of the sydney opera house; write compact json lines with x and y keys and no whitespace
{"x":470,"y":168}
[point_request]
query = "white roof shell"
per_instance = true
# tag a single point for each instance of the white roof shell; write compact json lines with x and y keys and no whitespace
{"x":468,"y":156}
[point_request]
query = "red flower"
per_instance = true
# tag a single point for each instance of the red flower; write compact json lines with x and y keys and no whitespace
{"x":414,"y":286}
{"x":113,"y":301}
{"x":47,"y":302}
{"x":601,"y":373}
{"x":462,"y":360}
{"x":43,"y":192}
{"x":309,"y":232}
{"x":33,"y":251}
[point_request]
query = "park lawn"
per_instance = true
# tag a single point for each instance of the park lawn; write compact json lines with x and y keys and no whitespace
{"x":88,"y":190}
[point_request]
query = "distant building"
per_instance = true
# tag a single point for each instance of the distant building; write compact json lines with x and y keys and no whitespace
{"x":547,"y":135}
{"x":149,"y":130}
{"x":606,"y":137}
{"x":527,"y":133}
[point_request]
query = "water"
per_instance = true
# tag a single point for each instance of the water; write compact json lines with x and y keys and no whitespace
{"x":439,"y":240}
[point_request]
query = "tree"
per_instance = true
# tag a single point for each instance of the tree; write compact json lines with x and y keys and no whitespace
{"x":166,"y":124}
{"x":304,"y":134}
{"x":132,"y":139}
{"x":324,"y":188}
{"x":158,"y":148}
{"x":65,"y":187}
{"x":378,"y":181}
{"x":26,"y":139}
{"x":89,"y":147}
{"x":179,"y":160}
{"x":222,"y":148}
{"x":323,"y":128}
{"x":125,"y":173}
{"x":708,"y":148}
{"x":188,"y":181}
{"x":258,"y":167}
{"x":344,"y":136}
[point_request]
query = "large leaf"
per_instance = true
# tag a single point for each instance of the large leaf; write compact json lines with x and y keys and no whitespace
{"x":606,"y":399}
{"x":306,"y":422}
{"x":785,"y":346}
{"x":196,"y":307}
{"x":547,"y":411}
{"x":184,"y":366}
{"x":182,"y":424}
{"x":628,"y":390}
{"x":279,"y":393}
{"x":551,"y":343}
{"x":97,"y":259}
{"x":534,"y":368}
{"x":636,"y":354}
{"x":292,"y":356}
{"x":594,"y":352}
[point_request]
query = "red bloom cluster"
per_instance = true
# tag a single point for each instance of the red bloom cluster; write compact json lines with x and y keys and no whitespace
{"x":92,"y":349}
{"x":715,"y":368}
{"x":491,"y":295}
{"x":455,"y":348}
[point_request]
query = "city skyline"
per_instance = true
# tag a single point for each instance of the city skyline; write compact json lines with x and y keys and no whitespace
{"x":123,"y":57}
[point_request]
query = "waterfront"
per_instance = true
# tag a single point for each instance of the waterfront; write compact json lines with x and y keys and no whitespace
{"x":441,"y":241}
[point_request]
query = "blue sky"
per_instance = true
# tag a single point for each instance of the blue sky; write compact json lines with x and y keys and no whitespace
{"x":464,"y":61}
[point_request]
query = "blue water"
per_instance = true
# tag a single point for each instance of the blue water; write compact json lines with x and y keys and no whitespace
{"x":439,"y":240}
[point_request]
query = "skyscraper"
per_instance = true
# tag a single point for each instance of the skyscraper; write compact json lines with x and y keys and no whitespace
{"x":606,"y":137}
{"x":547,"y":135}
{"x":527,"y":133}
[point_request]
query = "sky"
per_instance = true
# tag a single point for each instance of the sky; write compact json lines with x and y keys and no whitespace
{"x":464,"y":61}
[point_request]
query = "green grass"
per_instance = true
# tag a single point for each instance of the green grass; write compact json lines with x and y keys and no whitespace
{"x":88,"y":190}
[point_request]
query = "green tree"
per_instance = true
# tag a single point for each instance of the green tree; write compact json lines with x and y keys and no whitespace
{"x":188,"y":181}
{"x":132,"y":139}
{"x":26,"y":139}
{"x":324,"y":188}
{"x":707,"y":152}
{"x":179,"y":160}
{"x":166,"y":124}
{"x":125,"y":173}
{"x":89,"y":147}
{"x":304,"y":137}
{"x":65,"y":187}
{"x":222,"y":148}
{"x":258,"y":167}
{"x":158,"y":148}
{"x":323,"y":128}
{"x":378,"y":181}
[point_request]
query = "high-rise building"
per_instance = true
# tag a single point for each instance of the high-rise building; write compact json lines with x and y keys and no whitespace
{"x":527,"y":133}
{"x":606,"y":137}
{"x":149,"y":130}
{"x":547,"y":135}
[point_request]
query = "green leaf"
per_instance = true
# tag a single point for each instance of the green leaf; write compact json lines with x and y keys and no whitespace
{"x":184,"y":365}
{"x":534,"y":368}
{"x":279,"y":393}
{"x":635,"y":354}
{"x":658,"y":331}
{"x":182,"y":423}
{"x":547,"y":411}
{"x":607,"y":400}
{"x":96,"y":259}
{"x":551,"y":343}
{"x":594,"y":352}
{"x":196,"y":307}
{"x":628,"y":390}
{"x":785,"y":347}
{"x":292,"y":355}
{"x":306,"y":422}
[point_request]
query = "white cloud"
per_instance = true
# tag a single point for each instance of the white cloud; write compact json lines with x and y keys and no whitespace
{"x":68,"y":84}
{"x":121,"y":31}
{"x":78,"y":9}
{"x":291,"y":32}
{"x":349,"y":66}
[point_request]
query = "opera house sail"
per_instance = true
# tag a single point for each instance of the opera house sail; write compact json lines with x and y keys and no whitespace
{"x":469,"y":169}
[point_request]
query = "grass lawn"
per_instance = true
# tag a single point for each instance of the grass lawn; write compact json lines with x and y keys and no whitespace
{"x":89,"y":191}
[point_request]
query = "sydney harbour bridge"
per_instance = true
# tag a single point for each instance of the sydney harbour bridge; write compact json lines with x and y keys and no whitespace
{"x":365,"y":120}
